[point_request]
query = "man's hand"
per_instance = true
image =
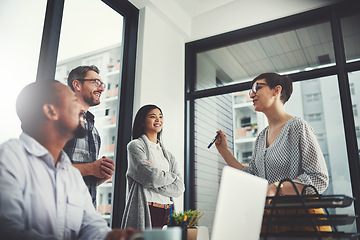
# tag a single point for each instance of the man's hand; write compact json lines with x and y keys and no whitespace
{"x":120,"y":234}
{"x":103,"y":168}
{"x":107,"y":167}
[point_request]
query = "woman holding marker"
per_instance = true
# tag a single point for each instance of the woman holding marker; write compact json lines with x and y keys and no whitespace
{"x":153,"y":176}
{"x":287,"y":148}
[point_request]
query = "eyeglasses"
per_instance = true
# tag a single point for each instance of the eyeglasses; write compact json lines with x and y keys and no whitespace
{"x":256,"y":87}
{"x":97,"y":82}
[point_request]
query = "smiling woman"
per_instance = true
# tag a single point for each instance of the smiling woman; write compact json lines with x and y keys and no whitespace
{"x":152,"y":174}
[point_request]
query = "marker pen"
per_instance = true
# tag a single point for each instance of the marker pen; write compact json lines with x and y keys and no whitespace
{"x":212,"y":142}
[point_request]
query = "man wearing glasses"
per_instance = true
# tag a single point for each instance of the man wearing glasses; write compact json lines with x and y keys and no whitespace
{"x":86,"y":82}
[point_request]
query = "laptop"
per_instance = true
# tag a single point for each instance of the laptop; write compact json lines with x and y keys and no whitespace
{"x":240,"y":206}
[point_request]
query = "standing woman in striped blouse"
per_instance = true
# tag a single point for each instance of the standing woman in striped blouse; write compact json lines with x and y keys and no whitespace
{"x":287,"y":148}
{"x":153,"y":176}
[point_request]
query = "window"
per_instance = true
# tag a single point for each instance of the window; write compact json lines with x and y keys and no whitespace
{"x":246,"y":157}
{"x":97,"y":43}
{"x":101,"y":199}
{"x":329,"y":131}
{"x":321,"y":137}
{"x":245,"y":121}
{"x":211,"y":114}
{"x":306,"y":54}
{"x":351,"y":34}
{"x":18,"y":53}
{"x":355,"y":111}
{"x":314,"y":117}
{"x":357,"y":129}
{"x":301,"y":49}
{"x":109,"y":199}
{"x":312,"y":97}
{"x":354,"y":77}
{"x":352,"y":89}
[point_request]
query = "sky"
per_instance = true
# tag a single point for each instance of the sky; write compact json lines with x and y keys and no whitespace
{"x":21,"y":25}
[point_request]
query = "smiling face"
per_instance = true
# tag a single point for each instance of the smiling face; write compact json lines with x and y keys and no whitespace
{"x":153,"y":122}
{"x":89,"y":93}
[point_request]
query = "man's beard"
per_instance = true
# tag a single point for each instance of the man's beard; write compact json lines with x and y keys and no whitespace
{"x":91,"y":101}
{"x":79,"y":132}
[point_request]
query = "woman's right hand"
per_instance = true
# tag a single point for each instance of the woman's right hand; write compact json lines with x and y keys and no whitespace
{"x":221,"y":142}
{"x":221,"y":145}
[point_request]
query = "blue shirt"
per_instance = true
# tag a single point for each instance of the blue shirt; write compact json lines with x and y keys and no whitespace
{"x":41,"y":200}
{"x":86,"y":150}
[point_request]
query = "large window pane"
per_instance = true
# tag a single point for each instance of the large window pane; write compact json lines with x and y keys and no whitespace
{"x":21,"y":25}
{"x":298,"y":50}
{"x":91,"y":35}
{"x":318,"y":102}
{"x":247,"y":125}
{"x":351,"y":36}
{"x":211,"y":114}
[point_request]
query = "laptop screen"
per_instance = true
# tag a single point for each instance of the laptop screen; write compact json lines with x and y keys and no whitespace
{"x":240,"y":206}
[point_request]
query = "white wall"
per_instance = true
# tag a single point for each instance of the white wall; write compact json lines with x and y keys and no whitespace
{"x":160,"y":78}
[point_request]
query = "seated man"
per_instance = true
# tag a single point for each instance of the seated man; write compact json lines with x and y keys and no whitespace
{"x":42,"y":195}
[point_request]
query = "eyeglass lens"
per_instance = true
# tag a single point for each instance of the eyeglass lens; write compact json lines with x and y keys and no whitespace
{"x":254,"y":89}
{"x":98,"y":83}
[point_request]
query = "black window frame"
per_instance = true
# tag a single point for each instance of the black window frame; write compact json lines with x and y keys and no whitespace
{"x":47,"y":68}
{"x":331,"y":13}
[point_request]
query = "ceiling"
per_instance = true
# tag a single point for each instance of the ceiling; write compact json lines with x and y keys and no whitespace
{"x":195,"y":8}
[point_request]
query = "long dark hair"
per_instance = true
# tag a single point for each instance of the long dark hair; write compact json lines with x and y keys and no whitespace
{"x":139,"y":122}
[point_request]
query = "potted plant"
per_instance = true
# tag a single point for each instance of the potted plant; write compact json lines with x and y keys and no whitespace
{"x":188,"y":219}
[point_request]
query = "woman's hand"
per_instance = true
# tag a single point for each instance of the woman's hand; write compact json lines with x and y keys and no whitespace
{"x":221,"y":146}
{"x":221,"y":141}
{"x":286,"y":188}
{"x":271,"y":191}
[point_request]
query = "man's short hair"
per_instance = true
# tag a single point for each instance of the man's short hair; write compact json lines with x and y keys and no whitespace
{"x":79,"y":73}
{"x":31,"y":99}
